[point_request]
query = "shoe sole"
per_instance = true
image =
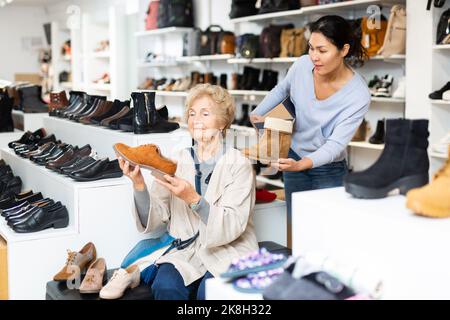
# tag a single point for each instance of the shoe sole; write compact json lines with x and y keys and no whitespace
{"x":426,"y":210}
{"x":155,"y":172}
{"x":58,"y":224}
{"x":102,"y":177}
{"x":404,"y":185}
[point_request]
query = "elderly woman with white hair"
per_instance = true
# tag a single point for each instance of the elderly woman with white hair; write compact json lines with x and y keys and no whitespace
{"x":210,"y":200}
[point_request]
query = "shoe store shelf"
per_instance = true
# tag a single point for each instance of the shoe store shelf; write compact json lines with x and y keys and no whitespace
{"x":100,"y":86}
{"x":102,"y":139}
{"x":393,"y":57}
{"x":7,"y":137}
{"x":443,"y":102}
{"x":248,"y":92}
{"x":388,"y":100}
{"x":99,"y":211}
{"x":243,"y":130}
{"x":276,"y":183}
{"x":366,"y":145}
{"x":184,"y":94}
{"x":162,"y":93}
{"x":438,"y":155}
{"x":317,"y":9}
{"x":263,"y":60}
{"x":215,"y":57}
{"x":381,"y":237}
{"x":161,"y":64}
{"x":441,"y":47}
{"x":67,"y":85}
{"x":158,"y":32}
{"x":28,"y":121}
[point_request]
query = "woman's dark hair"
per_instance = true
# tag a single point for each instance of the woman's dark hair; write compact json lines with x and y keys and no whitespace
{"x":340,"y":32}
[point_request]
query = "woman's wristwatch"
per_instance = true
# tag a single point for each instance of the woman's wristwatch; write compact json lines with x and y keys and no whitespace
{"x":194,"y":206}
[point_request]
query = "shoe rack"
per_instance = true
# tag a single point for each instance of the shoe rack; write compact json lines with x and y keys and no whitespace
{"x":439,"y":109}
{"x":60,"y":34}
{"x":382,"y":238}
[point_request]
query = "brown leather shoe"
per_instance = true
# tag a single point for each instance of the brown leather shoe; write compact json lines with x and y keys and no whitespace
{"x":58,"y":100}
{"x":120,"y":114}
{"x":76,"y":263}
{"x":147,"y":156}
{"x":103,"y":108}
{"x":95,"y":276}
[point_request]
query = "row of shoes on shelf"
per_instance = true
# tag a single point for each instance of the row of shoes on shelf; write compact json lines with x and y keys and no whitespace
{"x":85,"y":262}
{"x":6,"y":106}
{"x":364,"y":128}
{"x":26,"y":97}
{"x":96,"y":110}
{"x":441,"y":94}
{"x":105,"y":79}
{"x":404,"y":166}
{"x":383,"y":86}
{"x":28,"y":212}
{"x":245,"y":119}
{"x":185,"y":83}
{"x":81,"y":164}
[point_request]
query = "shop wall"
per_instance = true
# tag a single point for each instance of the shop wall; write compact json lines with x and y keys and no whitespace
{"x":17,"y":25}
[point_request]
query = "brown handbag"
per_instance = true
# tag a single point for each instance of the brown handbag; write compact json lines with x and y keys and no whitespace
{"x":395,"y":39}
{"x":372,"y":38}
{"x":227,"y":44}
{"x":293,"y":42}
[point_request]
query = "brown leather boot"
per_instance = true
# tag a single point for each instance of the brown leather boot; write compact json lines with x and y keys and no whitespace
{"x":195,"y":79}
{"x":58,"y":100}
{"x":76,"y":263}
{"x":274,"y":143}
{"x":361,"y":132}
{"x":148,"y":157}
{"x":103,"y":108}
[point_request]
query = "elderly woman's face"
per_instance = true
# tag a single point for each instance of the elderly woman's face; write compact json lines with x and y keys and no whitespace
{"x":203,"y":123}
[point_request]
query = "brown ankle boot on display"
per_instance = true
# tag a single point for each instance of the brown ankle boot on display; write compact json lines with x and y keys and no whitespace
{"x":58,"y":100}
{"x":274,"y":142}
{"x":432,"y":200}
{"x":195,"y":79}
{"x":361,"y":132}
{"x":148,"y":157}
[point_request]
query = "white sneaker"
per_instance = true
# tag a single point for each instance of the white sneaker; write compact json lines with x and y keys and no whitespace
{"x":386,"y":86}
{"x":446,"y":95}
{"x":400,"y":93}
{"x":121,"y":280}
{"x":442,"y":146}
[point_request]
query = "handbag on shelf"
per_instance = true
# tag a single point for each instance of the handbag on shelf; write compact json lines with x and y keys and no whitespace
{"x":268,"y":6}
{"x":151,"y":21}
{"x":214,"y":40}
{"x":248,"y":46}
{"x":270,"y":40}
{"x":175,"y":13}
{"x":243,"y":8}
{"x":293,"y":42}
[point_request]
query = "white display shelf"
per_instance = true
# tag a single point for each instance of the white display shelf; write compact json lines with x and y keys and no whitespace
{"x":387,"y":100}
{"x":161,"y":64}
{"x":166,"y":93}
{"x":263,"y":60}
{"x":393,"y":57}
{"x":380,"y":236}
{"x":66,"y":85}
{"x":441,"y":102}
{"x":100,"y":86}
{"x":317,"y":9}
{"x":276,"y":183}
{"x":366,"y":145}
{"x":7,"y":137}
{"x":437,"y":155}
{"x":28,"y":121}
{"x":184,"y":94}
{"x":162,"y":31}
{"x":102,"y":139}
{"x":248,"y":92}
{"x":215,"y":57}
{"x":441,"y":47}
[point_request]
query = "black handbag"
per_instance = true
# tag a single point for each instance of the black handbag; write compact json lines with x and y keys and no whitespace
{"x":248,"y":46}
{"x":243,"y":8}
{"x":212,"y":38}
{"x":175,"y":13}
{"x":268,"y":6}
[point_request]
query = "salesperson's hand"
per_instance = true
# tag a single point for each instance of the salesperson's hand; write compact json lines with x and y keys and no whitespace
{"x":134,"y":174}
{"x":291,"y":165}
{"x":180,"y":188}
{"x":254,"y":118}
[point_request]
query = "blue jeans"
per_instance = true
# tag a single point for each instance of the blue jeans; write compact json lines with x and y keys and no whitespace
{"x":327,"y":176}
{"x":169,"y":285}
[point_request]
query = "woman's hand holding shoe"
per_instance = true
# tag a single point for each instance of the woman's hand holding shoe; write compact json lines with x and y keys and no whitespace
{"x":134,"y":174}
{"x":180,"y":188}
{"x":290,"y":165}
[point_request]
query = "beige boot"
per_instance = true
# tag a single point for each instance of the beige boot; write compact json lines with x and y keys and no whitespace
{"x":274,"y":143}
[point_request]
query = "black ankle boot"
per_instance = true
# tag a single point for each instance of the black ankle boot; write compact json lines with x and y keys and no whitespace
{"x":31,"y":100}
{"x":378,"y":137}
{"x":253,"y":80}
{"x":223,"y":81}
{"x":146,"y":118}
{"x":6,"y":120}
{"x":245,"y":115}
{"x":403,"y":165}
{"x":269,"y":80}
{"x":243,"y":79}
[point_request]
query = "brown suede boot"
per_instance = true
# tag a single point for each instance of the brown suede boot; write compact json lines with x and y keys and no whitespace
{"x":58,"y":100}
{"x":147,"y":156}
{"x":361,"y":132}
{"x":274,"y":143}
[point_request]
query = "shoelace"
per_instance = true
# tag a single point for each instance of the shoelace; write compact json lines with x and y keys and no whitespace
{"x":443,"y":171}
{"x":71,"y":257}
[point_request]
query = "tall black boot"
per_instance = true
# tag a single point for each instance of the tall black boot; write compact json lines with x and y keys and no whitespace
{"x":272,"y":80}
{"x":146,"y":118}
{"x":253,"y":80}
{"x":223,"y":81}
{"x":245,"y":115}
{"x":6,"y":120}
{"x":243,"y":81}
{"x":31,"y":100}
{"x":403,"y":165}
{"x":378,"y":137}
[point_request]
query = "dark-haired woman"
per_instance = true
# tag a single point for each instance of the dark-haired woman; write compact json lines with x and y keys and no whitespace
{"x":330,"y":101}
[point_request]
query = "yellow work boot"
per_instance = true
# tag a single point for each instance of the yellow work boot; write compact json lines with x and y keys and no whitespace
{"x":433,"y":200}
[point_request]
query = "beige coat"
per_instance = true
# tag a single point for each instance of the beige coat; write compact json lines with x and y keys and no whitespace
{"x":229,"y":233}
